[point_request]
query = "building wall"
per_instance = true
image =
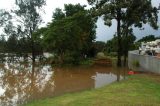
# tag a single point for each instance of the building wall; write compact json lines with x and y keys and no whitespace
{"x":146,"y":63}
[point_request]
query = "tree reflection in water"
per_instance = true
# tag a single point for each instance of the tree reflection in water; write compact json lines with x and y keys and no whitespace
{"x":21,"y":83}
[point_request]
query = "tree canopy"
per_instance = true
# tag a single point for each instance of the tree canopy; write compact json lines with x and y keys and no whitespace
{"x":71,"y":33}
{"x":148,"y":38}
{"x":126,"y":13}
{"x":28,"y":19}
{"x":4,"y":17}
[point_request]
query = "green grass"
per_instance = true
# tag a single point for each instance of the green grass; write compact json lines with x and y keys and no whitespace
{"x":87,"y":62}
{"x":137,"y":90}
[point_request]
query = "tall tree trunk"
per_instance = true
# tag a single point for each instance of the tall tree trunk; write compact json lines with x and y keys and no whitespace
{"x":119,"y":37}
{"x":125,"y":58}
{"x":126,"y":46}
{"x":118,"y":75}
{"x":32,"y":46}
{"x":33,"y":53}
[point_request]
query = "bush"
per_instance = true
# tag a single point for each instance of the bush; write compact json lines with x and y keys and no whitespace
{"x":100,"y":55}
{"x":111,"y":54}
{"x":136,"y":63}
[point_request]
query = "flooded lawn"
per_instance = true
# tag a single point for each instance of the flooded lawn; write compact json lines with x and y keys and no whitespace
{"x":21,"y":83}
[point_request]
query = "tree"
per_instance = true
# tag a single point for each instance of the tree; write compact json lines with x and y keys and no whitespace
{"x":137,"y":14}
{"x":127,"y":44}
{"x":4,"y":17}
{"x":28,"y":20}
{"x":147,"y":38}
{"x":2,"y":44}
{"x":110,"y":45}
{"x":71,"y":9}
{"x":71,"y":33}
{"x":99,"y":46}
{"x":12,"y":44}
{"x":58,"y":14}
{"x":133,"y":11}
{"x":110,"y":9}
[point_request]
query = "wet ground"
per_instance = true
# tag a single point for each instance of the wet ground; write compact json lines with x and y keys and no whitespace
{"x":21,"y":83}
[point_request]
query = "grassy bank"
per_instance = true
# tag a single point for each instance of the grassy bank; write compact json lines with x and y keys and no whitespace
{"x":138,"y":90}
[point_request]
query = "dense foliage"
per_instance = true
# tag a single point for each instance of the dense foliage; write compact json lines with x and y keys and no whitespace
{"x":148,"y":38}
{"x":71,"y":33}
{"x":20,"y":25}
{"x":126,"y":13}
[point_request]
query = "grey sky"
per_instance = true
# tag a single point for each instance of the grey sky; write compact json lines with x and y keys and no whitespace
{"x":104,"y":33}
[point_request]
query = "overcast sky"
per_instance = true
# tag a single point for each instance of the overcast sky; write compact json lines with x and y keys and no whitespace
{"x":104,"y":33}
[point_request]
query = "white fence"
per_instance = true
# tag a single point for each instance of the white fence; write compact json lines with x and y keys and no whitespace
{"x":139,"y":62}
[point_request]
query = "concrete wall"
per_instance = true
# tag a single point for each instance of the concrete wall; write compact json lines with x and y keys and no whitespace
{"x":147,"y":63}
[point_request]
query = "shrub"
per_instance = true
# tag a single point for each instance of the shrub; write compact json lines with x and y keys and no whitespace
{"x":136,"y":63}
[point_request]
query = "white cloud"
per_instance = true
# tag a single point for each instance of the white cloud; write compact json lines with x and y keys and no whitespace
{"x":6,"y":4}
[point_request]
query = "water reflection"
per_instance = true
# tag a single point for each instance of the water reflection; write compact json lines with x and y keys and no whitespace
{"x":20,"y":83}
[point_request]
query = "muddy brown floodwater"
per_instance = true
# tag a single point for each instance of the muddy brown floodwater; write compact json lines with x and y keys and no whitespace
{"x":22,"y":83}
